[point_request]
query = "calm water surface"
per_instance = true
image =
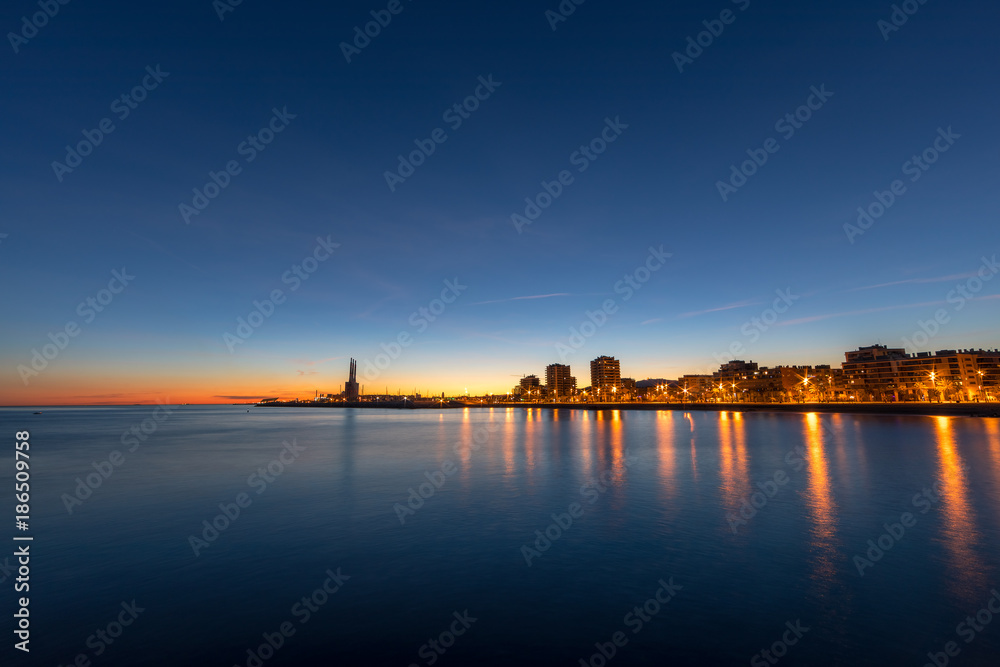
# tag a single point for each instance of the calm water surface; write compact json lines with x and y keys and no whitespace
{"x":650,"y":496}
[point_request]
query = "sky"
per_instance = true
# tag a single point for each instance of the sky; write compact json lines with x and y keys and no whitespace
{"x":673,"y":184}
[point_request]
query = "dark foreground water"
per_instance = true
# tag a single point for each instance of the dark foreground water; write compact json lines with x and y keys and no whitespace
{"x":663,"y":557}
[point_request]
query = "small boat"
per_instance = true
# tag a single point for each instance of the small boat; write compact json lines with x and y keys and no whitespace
{"x":38,"y":413}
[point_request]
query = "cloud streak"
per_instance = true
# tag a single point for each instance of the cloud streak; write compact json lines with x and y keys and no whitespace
{"x":866,"y":311}
{"x":917,"y":281}
{"x":738,"y":304}
{"x":522,"y":298}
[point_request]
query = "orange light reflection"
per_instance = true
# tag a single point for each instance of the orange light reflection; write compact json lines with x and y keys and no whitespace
{"x":959,"y":531}
{"x":820,"y":502}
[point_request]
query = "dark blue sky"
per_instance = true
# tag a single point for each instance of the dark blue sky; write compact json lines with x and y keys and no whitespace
{"x":323,"y":176}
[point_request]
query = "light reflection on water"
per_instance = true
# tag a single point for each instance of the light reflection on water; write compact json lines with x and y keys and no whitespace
{"x":959,"y":534}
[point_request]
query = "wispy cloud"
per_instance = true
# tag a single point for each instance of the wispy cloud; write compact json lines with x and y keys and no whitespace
{"x":522,"y":298}
{"x":917,"y":281}
{"x":738,"y":304}
{"x":866,"y":311}
{"x":655,"y":319}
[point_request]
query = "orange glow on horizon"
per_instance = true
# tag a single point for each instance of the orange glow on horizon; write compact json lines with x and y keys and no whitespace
{"x":208,"y":382}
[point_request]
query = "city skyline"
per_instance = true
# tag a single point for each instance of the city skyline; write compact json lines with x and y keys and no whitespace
{"x":605,"y":371}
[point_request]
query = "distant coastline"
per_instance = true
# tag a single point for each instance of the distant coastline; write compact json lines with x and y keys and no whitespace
{"x":401,"y":405}
{"x":913,"y":409}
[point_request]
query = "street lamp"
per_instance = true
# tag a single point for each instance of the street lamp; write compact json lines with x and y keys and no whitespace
{"x":805,"y":388}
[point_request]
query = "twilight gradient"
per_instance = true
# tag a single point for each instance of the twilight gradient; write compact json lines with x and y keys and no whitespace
{"x":323,"y":176}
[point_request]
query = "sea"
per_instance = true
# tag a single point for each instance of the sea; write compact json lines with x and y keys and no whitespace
{"x":250,"y":536}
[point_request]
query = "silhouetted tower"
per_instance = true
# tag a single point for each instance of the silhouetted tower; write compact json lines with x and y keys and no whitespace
{"x":351,"y":388}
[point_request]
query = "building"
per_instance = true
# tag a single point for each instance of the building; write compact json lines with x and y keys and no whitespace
{"x":694,"y":387}
{"x":351,"y":392}
{"x":735,"y":379}
{"x":953,"y":375}
{"x":558,"y":381}
{"x":878,"y":373}
{"x":529,"y":387}
{"x":871,"y":373}
{"x":629,"y":387}
{"x":605,"y":377}
{"x":739,"y":381}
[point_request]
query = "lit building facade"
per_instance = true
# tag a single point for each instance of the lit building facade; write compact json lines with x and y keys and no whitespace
{"x":877,"y":373}
{"x":558,"y":381}
{"x":605,"y":377}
